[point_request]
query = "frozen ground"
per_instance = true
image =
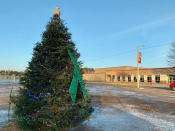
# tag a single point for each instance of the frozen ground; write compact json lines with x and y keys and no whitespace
{"x":8,"y":83}
{"x":3,"y":118}
{"x":123,"y":109}
{"x":5,"y":87}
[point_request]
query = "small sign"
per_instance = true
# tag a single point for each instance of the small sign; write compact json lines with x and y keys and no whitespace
{"x":139,"y":57}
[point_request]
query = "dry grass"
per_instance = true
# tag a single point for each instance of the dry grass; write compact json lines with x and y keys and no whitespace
{"x":10,"y":127}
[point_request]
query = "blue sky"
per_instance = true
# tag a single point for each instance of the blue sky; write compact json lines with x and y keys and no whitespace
{"x":106,"y":32}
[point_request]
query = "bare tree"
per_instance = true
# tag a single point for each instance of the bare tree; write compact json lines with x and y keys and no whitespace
{"x":171,"y":56}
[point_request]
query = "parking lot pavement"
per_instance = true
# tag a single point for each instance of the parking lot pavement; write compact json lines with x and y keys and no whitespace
{"x":127,"y":108}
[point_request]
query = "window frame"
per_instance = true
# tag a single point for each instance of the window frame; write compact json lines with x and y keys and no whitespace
{"x":135,"y":79}
{"x":157,"y":80}
{"x":142,"y":78}
{"x":173,"y":80}
{"x":149,"y":80}
{"x":113,"y":78}
{"x":118,"y":78}
{"x":129,"y":78}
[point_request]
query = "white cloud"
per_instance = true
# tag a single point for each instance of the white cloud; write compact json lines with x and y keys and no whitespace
{"x":146,"y":26}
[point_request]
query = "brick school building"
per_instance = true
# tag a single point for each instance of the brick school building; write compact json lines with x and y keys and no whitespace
{"x":128,"y":75}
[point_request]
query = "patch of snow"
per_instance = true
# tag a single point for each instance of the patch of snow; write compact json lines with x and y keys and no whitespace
{"x":3,"y":118}
{"x":109,"y":119}
{"x":101,"y":89}
{"x":160,"y":124}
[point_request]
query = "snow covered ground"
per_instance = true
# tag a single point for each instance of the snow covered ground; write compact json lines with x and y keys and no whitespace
{"x":5,"y":87}
{"x":123,"y":109}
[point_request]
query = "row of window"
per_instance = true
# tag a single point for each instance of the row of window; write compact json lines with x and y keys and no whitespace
{"x":149,"y":78}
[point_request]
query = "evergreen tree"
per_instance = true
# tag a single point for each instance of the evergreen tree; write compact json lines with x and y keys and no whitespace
{"x":44,"y":102}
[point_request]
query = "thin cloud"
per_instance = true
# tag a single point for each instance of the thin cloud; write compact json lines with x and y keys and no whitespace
{"x":145,"y":26}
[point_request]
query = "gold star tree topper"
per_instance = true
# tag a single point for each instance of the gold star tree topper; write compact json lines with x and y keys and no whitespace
{"x":57,"y":11}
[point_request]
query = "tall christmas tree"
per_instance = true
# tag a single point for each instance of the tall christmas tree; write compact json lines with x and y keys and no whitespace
{"x":44,"y":102}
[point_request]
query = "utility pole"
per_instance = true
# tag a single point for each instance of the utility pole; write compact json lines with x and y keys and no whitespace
{"x":138,"y":77}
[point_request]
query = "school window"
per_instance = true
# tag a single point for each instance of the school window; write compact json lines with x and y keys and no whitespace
{"x":113,"y":78}
{"x":118,"y":78}
{"x":172,"y":78}
{"x":129,"y":78}
{"x":135,"y":79}
{"x":157,"y":78}
{"x":141,"y":78}
{"x":149,"y":79}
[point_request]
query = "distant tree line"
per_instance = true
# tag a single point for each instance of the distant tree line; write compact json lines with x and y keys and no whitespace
{"x":21,"y":73}
{"x":10,"y":73}
{"x":88,"y":70}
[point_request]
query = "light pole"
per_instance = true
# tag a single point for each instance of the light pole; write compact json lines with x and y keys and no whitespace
{"x":138,"y":62}
{"x":138,"y":80}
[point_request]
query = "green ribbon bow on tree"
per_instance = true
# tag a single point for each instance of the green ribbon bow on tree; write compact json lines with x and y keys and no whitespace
{"x":76,"y":78}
